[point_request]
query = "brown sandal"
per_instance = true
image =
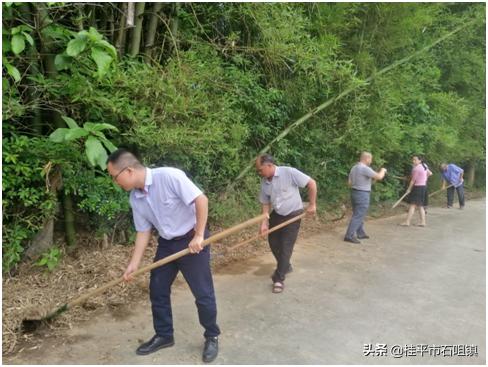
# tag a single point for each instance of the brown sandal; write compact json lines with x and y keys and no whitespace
{"x":278,"y":287}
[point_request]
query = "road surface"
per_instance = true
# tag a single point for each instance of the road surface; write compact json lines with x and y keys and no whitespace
{"x":415,"y":287}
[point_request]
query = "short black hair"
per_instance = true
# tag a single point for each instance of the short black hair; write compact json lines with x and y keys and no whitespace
{"x":266,"y":159}
{"x":123,"y":157}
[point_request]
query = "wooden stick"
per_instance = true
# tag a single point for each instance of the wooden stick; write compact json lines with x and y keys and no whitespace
{"x":398,"y":177}
{"x":156,"y":264}
{"x":438,"y":191}
{"x":400,"y":200}
{"x":275,"y":228}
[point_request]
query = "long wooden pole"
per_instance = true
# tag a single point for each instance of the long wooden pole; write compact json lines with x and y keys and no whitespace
{"x":275,"y":228}
{"x":156,"y":264}
{"x":400,"y":200}
{"x":438,"y":191}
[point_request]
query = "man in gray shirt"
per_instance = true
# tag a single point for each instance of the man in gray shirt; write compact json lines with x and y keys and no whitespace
{"x":360,"y":179}
{"x":280,"y":191}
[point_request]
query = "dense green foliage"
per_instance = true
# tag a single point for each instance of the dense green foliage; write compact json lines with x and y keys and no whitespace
{"x":206,"y":86}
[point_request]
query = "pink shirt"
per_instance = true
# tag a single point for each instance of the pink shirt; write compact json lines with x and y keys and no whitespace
{"x":419,"y":175}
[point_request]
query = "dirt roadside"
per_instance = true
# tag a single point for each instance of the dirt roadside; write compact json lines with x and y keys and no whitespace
{"x":405,"y":285}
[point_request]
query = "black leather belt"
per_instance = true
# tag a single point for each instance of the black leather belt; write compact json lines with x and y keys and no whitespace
{"x":361,"y":190}
{"x":190,"y":233}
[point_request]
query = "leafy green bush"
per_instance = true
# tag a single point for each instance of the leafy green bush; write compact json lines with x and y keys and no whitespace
{"x":50,"y":258}
{"x":26,"y":202}
{"x":218,"y":84}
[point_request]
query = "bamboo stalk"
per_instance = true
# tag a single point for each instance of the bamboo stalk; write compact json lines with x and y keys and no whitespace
{"x":130,"y":14}
{"x":137,"y":31}
{"x":119,"y":42}
{"x":151,"y":30}
{"x":348,"y":90}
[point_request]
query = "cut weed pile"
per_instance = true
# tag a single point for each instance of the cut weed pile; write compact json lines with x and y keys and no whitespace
{"x":33,"y":291}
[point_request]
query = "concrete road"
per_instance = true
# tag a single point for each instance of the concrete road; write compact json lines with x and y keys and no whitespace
{"x":403,"y":287}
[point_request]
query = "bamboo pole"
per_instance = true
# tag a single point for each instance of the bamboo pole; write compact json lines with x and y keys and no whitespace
{"x":400,"y":200}
{"x":135,"y":42}
{"x":438,"y":191}
{"x":348,"y":90}
{"x":120,"y":40}
{"x":146,"y":268}
{"x":275,"y":228}
{"x":151,"y":30}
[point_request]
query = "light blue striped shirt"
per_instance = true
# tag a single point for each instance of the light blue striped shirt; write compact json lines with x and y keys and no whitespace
{"x":166,"y":203}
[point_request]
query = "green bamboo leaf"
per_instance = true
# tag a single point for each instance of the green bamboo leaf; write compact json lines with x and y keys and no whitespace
{"x":6,"y":45}
{"x":102,"y":59}
{"x":111,"y":49}
{"x":5,"y":85}
{"x":108,"y":144}
{"x":70,"y":122}
{"x":94,"y":35}
{"x":58,"y":135}
{"x":95,"y":152}
{"x":28,"y":38}
{"x":62,"y":62}
{"x":13,"y":71}
{"x":18,"y":43}
{"x":75,"y":133}
{"x":91,"y":126}
{"x":82,"y":35}
{"x":76,"y":46}
{"x":58,"y":33}
{"x":102,"y":160}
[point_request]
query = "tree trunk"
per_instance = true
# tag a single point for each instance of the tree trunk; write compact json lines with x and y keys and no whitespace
{"x":151,"y":31}
{"x":69,"y":220}
{"x":81,"y":15}
{"x":102,"y":21}
{"x":50,"y":71}
{"x":174,"y":25}
{"x":111,"y":26}
{"x":137,"y":31}
{"x":120,"y":41}
{"x":130,"y":15}
{"x":470,"y":174}
{"x":93,"y":17}
{"x":32,"y":94}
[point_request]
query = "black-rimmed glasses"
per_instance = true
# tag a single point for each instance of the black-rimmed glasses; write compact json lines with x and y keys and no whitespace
{"x":114,"y":178}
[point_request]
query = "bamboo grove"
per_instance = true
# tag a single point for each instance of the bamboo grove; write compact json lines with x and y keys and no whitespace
{"x":206,"y":86}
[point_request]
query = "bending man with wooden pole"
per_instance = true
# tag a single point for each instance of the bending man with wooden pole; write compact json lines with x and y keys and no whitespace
{"x":165,"y":199}
{"x":279,"y":191}
{"x":453,"y":175}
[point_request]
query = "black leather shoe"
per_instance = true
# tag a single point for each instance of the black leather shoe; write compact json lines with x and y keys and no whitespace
{"x":365,"y":237}
{"x":210,"y":349}
{"x":156,"y":343}
{"x":352,"y":240}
